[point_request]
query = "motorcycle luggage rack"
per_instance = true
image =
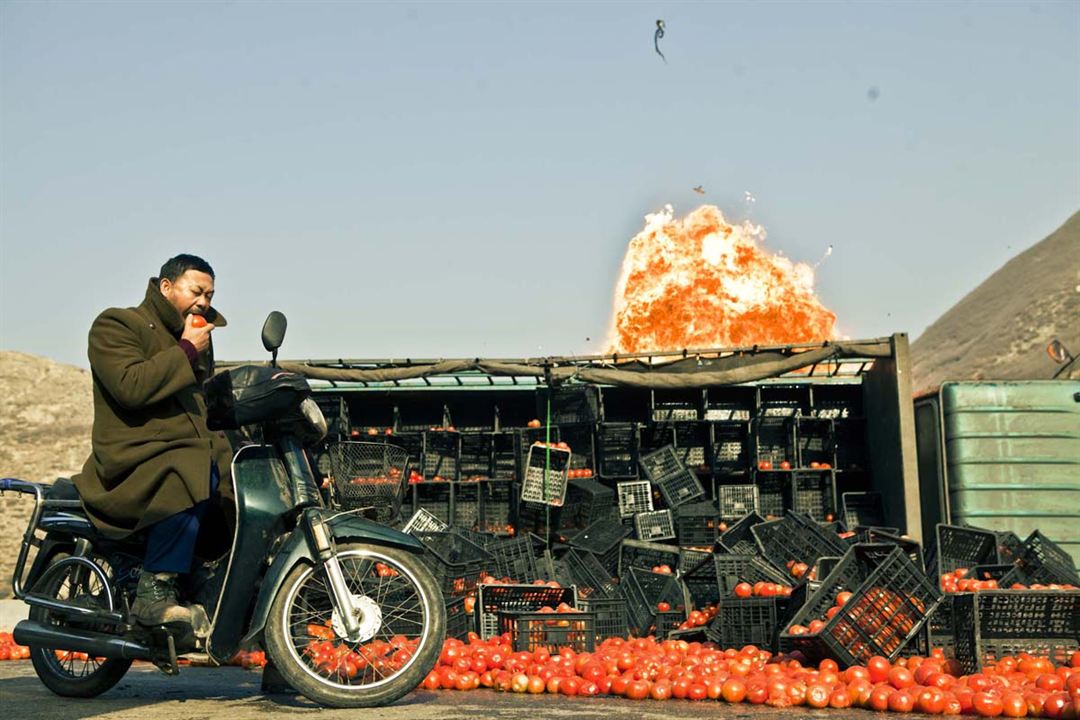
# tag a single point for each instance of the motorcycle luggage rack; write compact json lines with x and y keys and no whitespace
{"x":29,"y":539}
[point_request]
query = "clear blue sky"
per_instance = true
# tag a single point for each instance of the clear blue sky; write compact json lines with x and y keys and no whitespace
{"x":462,"y":179}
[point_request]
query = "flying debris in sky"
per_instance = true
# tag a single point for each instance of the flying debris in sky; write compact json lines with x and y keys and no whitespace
{"x":656,"y":39}
{"x":699,"y":190}
{"x":827,"y":254}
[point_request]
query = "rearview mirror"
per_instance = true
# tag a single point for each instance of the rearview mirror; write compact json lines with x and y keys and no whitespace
{"x":273,"y":331}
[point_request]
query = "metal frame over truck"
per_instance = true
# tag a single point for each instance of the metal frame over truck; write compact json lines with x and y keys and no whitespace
{"x":832,"y":418}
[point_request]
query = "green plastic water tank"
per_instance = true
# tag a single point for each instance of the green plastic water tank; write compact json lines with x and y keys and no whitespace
{"x":1012,"y":457}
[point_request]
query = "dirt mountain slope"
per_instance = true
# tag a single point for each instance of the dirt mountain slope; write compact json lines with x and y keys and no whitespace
{"x":46,"y":411}
{"x":1001,"y":328}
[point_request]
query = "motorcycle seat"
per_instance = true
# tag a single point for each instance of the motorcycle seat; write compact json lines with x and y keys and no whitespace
{"x":62,"y":489}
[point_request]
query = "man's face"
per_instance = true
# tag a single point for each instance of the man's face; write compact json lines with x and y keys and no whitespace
{"x":190,"y":294}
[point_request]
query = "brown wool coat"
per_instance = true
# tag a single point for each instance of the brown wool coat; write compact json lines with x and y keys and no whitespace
{"x":151,"y":447}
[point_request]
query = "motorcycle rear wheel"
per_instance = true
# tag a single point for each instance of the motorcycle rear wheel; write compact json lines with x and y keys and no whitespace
{"x":65,"y":673}
{"x":303,"y":633}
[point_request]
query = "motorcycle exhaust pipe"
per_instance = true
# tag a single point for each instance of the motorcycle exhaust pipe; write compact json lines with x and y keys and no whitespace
{"x":94,"y":644}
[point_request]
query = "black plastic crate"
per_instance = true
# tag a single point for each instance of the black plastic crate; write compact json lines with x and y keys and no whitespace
{"x":1010,"y":547}
{"x":603,"y":539}
{"x":504,"y":462}
{"x":667,"y":622}
{"x":536,"y":517}
{"x":990,"y":624}
{"x":336,"y":411}
{"x":569,"y":404}
{"x":654,"y":525}
{"x":442,"y":455}
{"x":494,"y":599}
{"x":697,"y":524}
{"x":851,"y":446}
{"x":585,"y":571}
{"x":454,"y":560}
{"x":745,"y":621}
{"x":887,"y":610}
{"x":862,"y":509}
{"x":497,"y":506}
{"x":1044,"y":561}
{"x":730,"y":447}
{"x":962,"y":547}
{"x":617,"y":450}
{"x":676,"y":483}
{"x":654,"y":437}
{"x":734,"y":569}
{"x":795,"y":537}
{"x":466,"y":505}
{"x":555,"y":630}
{"x":424,"y":521}
{"x":692,"y":444}
{"x":591,"y":501}
{"x":644,"y":591}
{"x":716,"y":576}
{"x":661,"y":463}
{"x":515,"y":558}
{"x":891,"y":536}
{"x":433,"y":497}
{"x":680,"y":488}
{"x":525,"y":438}
{"x":783,"y":401}
{"x":610,"y":613}
{"x":458,"y":622}
{"x":774,"y":492}
{"x":690,"y":558}
{"x":581,"y":438}
{"x":647,"y":555}
{"x":814,"y":493}
{"x":815,"y":442}
{"x":634,"y":496}
{"x":546,"y":475}
{"x":675,"y":406}
{"x":477,"y":450}
{"x":738,"y":539}
{"x":730,"y":403}
{"x":773,"y":440}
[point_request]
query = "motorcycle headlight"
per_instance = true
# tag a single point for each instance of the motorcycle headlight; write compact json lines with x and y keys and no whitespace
{"x":314,"y":419}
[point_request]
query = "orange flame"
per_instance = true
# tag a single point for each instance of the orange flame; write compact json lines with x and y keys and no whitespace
{"x":701,"y":282}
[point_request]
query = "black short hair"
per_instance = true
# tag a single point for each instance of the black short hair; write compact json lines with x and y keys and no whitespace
{"x":174,"y":267}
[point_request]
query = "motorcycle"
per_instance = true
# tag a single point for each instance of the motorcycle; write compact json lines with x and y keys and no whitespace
{"x":344,"y":607}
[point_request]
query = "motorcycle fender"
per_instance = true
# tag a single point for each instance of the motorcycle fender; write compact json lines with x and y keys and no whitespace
{"x":295,"y":550}
{"x":49,"y":548}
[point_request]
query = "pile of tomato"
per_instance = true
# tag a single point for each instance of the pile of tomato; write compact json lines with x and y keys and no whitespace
{"x":640,"y":669}
{"x":959,"y":581}
{"x":10,"y":651}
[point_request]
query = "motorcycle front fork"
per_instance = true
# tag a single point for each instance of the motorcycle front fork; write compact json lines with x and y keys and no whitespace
{"x":322,"y":542}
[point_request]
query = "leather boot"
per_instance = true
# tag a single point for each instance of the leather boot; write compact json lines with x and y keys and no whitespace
{"x":156,"y":602}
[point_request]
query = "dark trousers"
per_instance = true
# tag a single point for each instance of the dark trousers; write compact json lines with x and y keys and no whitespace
{"x":170,"y":543}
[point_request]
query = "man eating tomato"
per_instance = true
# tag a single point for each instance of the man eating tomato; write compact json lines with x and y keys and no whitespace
{"x":155,"y":467}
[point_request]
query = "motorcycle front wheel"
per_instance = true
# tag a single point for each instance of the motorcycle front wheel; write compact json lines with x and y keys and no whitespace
{"x":403,"y":623}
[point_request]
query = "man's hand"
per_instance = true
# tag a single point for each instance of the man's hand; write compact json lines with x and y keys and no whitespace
{"x":197,"y":336}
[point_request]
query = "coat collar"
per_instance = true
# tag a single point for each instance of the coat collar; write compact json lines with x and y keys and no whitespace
{"x":161,"y":308}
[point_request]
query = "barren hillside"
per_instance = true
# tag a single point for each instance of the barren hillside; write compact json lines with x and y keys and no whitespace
{"x":1001,"y":328}
{"x":46,"y":410}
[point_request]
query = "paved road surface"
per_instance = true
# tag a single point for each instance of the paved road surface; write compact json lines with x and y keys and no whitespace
{"x":233,"y":694}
